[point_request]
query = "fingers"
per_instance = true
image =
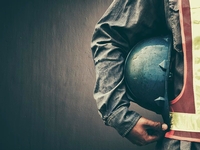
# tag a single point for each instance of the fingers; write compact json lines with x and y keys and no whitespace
{"x":157,"y":134}
{"x":146,"y":131}
{"x":146,"y":139}
{"x":155,"y":130}
{"x":156,"y":125}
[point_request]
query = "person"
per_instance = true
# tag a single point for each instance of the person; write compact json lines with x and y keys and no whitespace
{"x":124,"y":24}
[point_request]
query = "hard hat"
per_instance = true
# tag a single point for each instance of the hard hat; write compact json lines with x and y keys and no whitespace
{"x":146,"y":74}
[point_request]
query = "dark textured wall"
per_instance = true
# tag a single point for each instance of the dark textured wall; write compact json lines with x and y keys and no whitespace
{"x":47,"y":77}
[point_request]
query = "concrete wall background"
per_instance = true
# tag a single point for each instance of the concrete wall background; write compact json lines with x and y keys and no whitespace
{"x":47,"y":78}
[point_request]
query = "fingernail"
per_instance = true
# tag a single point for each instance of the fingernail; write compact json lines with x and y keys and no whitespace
{"x":164,"y":127}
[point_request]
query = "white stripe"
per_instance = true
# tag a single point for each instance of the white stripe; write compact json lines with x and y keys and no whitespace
{"x":185,"y":122}
{"x":195,"y":25}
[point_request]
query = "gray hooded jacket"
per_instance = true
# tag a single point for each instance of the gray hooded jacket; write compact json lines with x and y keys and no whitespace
{"x":125,"y":23}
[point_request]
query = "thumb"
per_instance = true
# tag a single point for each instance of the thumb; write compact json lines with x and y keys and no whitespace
{"x":164,"y":127}
{"x":153,"y":124}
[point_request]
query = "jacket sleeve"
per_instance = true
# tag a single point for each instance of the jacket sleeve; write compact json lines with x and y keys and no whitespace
{"x":123,"y":24}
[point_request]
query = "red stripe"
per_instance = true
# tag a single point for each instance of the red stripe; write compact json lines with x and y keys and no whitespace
{"x":186,"y":136}
{"x":186,"y":96}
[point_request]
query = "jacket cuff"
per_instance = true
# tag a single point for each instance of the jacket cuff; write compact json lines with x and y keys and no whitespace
{"x":123,"y":120}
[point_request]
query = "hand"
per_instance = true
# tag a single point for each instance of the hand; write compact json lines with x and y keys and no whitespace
{"x":146,"y":131}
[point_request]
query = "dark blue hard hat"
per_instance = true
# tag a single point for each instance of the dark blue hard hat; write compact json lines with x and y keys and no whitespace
{"x":147,"y":72}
